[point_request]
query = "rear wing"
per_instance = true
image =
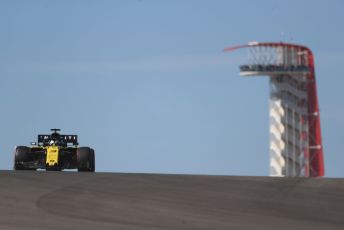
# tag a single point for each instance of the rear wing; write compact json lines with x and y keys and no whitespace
{"x":44,"y":139}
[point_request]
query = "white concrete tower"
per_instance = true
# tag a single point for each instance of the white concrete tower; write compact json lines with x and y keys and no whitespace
{"x":295,"y":136}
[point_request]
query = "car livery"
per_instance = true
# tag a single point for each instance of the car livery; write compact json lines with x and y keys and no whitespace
{"x":54,"y":152}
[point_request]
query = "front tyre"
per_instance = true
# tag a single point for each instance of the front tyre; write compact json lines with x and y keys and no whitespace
{"x":21,"y":156}
{"x":85,"y":159}
{"x":93,"y":161}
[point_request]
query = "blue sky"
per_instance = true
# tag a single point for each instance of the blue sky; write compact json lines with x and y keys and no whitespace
{"x":147,"y":85}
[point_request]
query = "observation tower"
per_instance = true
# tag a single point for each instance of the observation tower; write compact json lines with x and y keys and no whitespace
{"x":295,"y":134}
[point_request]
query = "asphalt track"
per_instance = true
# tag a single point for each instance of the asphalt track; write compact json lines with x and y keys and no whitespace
{"x":70,"y":200}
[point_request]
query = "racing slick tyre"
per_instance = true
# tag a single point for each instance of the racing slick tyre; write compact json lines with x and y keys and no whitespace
{"x":85,"y":159}
{"x":21,"y":155}
{"x":93,"y":163}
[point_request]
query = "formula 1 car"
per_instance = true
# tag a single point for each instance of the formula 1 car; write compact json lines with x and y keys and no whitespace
{"x":54,"y":152}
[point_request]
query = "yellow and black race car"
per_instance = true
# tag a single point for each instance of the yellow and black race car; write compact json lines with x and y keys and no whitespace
{"x":54,"y":152}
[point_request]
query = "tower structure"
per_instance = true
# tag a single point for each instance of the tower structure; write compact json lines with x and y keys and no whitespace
{"x":295,"y":134}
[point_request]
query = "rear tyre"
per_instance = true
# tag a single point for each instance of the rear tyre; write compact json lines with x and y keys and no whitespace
{"x":85,"y":159}
{"x":21,"y":156}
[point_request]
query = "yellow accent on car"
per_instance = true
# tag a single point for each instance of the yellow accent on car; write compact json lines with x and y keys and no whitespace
{"x":52,"y":155}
